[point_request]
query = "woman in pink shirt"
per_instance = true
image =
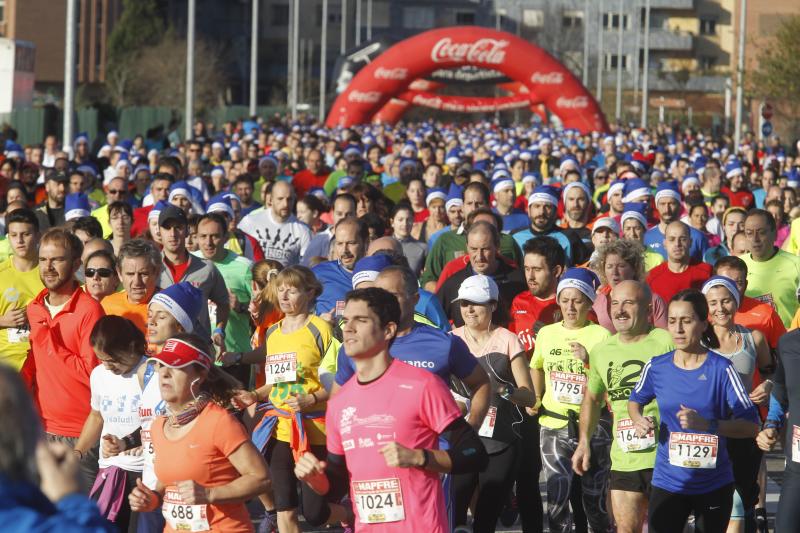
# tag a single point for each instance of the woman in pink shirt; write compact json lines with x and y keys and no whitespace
{"x":619,"y":261}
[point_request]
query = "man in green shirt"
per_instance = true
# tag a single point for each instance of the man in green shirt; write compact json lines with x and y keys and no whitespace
{"x":453,"y":243}
{"x":615,"y":366}
{"x":773,"y":275}
{"x":212,"y":234}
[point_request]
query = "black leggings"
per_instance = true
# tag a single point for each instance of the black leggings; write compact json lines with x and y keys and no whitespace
{"x":284,"y":484}
{"x":494,"y":485}
{"x":668,"y":511}
{"x":529,"y":499}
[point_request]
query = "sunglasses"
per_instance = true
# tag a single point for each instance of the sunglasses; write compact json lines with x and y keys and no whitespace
{"x":116,"y":191}
{"x":102,"y":272}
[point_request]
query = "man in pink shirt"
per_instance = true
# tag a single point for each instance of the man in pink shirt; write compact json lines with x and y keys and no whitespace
{"x":383,"y":430}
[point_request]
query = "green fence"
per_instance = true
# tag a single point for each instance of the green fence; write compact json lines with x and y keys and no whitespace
{"x":32,"y":125}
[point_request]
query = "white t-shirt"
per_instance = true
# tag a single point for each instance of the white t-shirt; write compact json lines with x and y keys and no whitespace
{"x":117,"y":398}
{"x":151,"y":406}
{"x":284,"y":241}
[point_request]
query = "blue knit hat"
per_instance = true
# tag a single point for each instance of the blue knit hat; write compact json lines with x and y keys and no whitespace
{"x":183,"y":301}
{"x":368,"y":268}
{"x":582,"y":279}
{"x":76,"y":205}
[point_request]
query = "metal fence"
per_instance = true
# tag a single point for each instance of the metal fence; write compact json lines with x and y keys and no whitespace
{"x":32,"y":125}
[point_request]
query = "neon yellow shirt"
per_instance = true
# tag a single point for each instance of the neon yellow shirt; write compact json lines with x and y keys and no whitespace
{"x":615,"y":367}
{"x":17,"y":289}
{"x":775,"y":281}
{"x":564,"y":375}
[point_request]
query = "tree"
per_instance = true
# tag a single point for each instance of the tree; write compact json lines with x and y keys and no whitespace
{"x":157,"y":75}
{"x":140,"y":25}
{"x":777,"y":75}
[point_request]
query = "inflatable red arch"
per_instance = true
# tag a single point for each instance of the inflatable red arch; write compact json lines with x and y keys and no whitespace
{"x":382,"y":89}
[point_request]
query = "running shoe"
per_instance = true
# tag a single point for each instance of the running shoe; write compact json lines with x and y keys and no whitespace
{"x":269,"y":522}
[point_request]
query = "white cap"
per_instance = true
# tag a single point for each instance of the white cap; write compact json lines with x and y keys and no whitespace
{"x":605,"y":222}
{"x":478,"y":289}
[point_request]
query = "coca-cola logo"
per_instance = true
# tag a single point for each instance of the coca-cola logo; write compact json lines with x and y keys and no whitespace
{"x":577,"y":102}
{"x":382,"y":73}
{"x":547,"y":78}
{"x":360,"y":97}
{"x":490,"y":51}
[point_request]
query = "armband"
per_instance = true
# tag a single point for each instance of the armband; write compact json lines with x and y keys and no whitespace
{"x":508,"y":392}
{"x":133,"y":440}
{"x":425,"y":458}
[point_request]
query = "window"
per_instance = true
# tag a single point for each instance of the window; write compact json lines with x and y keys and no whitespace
{"x":572,"y":19}
{"x":611,"y":21}
{"x":465,"y":18}
{"x":533,"y":18}
{"x":707,"y":62}
{"x":419,"y":18}
{"x":612,"y":60}
{"x":708,"y":27}
{"x":280,"y":15}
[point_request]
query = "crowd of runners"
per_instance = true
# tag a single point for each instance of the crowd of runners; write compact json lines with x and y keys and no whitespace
{"x":399,"y":329}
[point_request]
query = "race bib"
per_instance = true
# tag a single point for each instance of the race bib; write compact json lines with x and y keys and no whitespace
{"x":796,"y":444}
{"x":148,"y":452}
{"x":379,"y":501}
{"x":567,"y":387}
{"x":212,"y":313}
{"x":183,"y":517}
{"x":16,"y":335}
{"x":487,"y":427}
{"x":693,"y":450}
{"x":627,"y":439}
{"x":339,"y":311}
{"x":281,"y":367}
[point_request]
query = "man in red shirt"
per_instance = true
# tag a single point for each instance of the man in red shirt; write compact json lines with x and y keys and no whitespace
{"x":314,"y":175}
{"x":544,"y":262}
{"x":737,"y":189}
{"x":679,"y":271}
{"x":61,"y":319}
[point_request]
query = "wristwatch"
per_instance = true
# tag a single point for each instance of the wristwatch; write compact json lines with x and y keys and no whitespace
{"x":713,"y":426}
{"x":237,"y":360}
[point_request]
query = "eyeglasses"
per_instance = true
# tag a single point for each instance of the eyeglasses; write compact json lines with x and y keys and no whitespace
{"x":102,"y":272}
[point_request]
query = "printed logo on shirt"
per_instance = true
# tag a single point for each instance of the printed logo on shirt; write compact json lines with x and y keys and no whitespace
{"x":349,"y":420}
{"x":365,"y":442}
{"x":623,"y":378}
{"x":348,"y":444}
{"x":702,"y":377}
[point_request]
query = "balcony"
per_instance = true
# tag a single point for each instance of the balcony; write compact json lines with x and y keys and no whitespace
{"x":668,"y":40}
{"x":684,"y":5}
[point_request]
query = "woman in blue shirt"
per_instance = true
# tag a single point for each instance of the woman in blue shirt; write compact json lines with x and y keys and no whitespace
{"x":702,"y":401}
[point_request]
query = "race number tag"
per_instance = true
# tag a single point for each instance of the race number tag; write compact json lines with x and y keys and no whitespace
{"x":183,"y":517}
{"x":487,"y":427}
{"x":379,"y":501}
{"x":693,"y":450}
{"x":16,"y":335}
{"x":796,"y":444}
{"x":212,"y":313}
{"x":281,"y":367}
{"x":627,"y":439}
{"x":568,"y":387}
{"x":148,"y":452}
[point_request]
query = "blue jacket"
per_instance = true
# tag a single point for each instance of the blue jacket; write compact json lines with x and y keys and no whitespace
{"x":25,"y":509}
